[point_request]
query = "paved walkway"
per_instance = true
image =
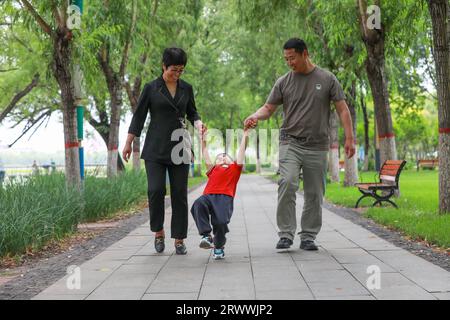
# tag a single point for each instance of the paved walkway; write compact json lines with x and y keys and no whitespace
{"x":253,"y":269}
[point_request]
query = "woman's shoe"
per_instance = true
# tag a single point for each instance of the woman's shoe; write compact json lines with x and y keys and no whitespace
{"x":180,"y":248}
{"x":159,"y":244}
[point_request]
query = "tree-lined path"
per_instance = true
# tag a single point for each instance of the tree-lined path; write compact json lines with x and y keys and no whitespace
{"x":253,"y":268}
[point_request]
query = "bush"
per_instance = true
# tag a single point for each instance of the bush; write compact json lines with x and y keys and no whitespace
{"x":35,"y":211}
{"x":41,"y":208}
{"x":103,"y":196}
{"x":250,"y":167}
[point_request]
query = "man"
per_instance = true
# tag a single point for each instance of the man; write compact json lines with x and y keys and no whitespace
{"x":305,"y":92}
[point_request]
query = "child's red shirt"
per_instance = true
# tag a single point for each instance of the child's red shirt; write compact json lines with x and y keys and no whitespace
{"x":223,"y":180}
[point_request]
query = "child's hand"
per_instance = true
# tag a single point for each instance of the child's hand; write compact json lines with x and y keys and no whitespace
{"x":204,"y":136}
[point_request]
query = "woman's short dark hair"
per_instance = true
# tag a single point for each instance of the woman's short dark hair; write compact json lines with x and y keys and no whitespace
{"x":174,"y":57}
{"x":295,"y":43}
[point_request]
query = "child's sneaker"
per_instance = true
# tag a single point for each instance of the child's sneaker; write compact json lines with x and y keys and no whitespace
{"x":219,"y":253}
{"x":206,"y":242}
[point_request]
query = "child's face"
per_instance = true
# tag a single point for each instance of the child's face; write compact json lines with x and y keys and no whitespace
{"x":223,"y":159}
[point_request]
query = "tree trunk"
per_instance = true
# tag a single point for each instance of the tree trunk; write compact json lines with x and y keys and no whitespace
{"x":351,"y":165}
{"x":375,"y":68}
{"x":115,"y":90}
{"x":333,"y":163}
{"x":103,"y":130}
{"x":137,"y":154}
{"x":61,"y":70}
{"x":366,"y":134}
{"x":440,"y":15}
{"x":258,"y":159}
{"x":113,"y":143}
{"x":133,"y":96}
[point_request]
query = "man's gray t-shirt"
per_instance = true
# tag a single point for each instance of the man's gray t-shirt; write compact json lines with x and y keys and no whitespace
{"x":306,"y":105}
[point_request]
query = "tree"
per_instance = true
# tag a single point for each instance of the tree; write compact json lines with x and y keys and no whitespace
{"x":374,"y":39}
{"x":333,"y":163}
{"x":440,"y":15}
{"x":112,"y":56}
{"x":17,"y":97}
{"x":60,"y":36}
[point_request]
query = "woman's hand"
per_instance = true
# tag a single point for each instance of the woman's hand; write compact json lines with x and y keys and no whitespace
{"x":126,"y":152}
{"x":200,"y":126}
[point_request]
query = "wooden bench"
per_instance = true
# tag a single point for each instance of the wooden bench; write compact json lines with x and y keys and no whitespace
{"x":427,"y":163}
{"x":389,"y":176}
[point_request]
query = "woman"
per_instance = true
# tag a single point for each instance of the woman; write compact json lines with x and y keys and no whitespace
{"x":169,"y":100}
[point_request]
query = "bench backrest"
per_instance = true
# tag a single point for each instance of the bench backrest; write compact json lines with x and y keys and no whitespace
{"x":428,"y":162}
{"x":390,"y":170}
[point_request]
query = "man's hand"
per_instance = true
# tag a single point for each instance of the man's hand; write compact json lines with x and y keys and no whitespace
{"x":126,"y":152}
{"x":251,"y":122}
{"x":349,"y":147}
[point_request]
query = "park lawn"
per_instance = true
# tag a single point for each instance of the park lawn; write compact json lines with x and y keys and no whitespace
{"x":417,"y":215}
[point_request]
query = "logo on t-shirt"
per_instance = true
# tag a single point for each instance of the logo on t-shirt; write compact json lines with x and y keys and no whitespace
{"x":318,"y":86}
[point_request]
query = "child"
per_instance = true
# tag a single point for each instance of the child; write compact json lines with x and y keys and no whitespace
{"x":216,"y":203}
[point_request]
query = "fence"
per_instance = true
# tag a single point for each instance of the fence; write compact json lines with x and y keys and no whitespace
{"x":16,"y":173}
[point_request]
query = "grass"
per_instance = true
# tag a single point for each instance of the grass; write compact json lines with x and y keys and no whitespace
{"x":417,"y":216}
{"x":42,"y":209}
{"x":35,"y":212}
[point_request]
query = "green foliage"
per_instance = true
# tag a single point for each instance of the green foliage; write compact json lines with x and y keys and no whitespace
{"x":41,"y":208}
{"x":417,"y":215}
{"x":250,"y":167}
{"x":36,"y":211}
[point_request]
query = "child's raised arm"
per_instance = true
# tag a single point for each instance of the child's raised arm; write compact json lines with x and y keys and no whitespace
{"x":241,"y":153}
{"x":205,"y":153}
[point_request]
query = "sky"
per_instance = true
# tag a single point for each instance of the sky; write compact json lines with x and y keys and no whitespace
{"x":49,"y":140}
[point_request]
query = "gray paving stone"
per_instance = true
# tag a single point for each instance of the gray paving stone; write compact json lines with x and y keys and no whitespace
{"x":314,"y":265}
{"x":218,"y":293}
{"x":123,"y":293}
{"x":427,"y":275}
{"x":148,"y":260}
{"x":352,"y":256}
{"x":402,"y":293}
{"x":123,"y":280}
{"x":171,"y":296}
{"x":347,"y":298}
{"x":338,"y":288}
{"x":303,"y":255}
{"x":327,"y":276}
{"x":284,"y":294}
{"x":177,"y":280}
{"x":253,"y":268}
{"x":442,"y":295}
{"x":59,"y":297}
{"x":139,"y":268}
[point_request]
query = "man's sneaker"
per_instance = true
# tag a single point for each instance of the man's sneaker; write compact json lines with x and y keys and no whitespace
{"x":206,"y":242}
{"x":180,"y":248}
{"x":159,"y":244}
{"x":308,"y":245}
{"x":219,"y":253}
{"x":284,"y":243}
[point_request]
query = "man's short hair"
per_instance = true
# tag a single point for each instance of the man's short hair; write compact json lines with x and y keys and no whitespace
{"x":174,"y":57}
{"x":295,"y":43}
